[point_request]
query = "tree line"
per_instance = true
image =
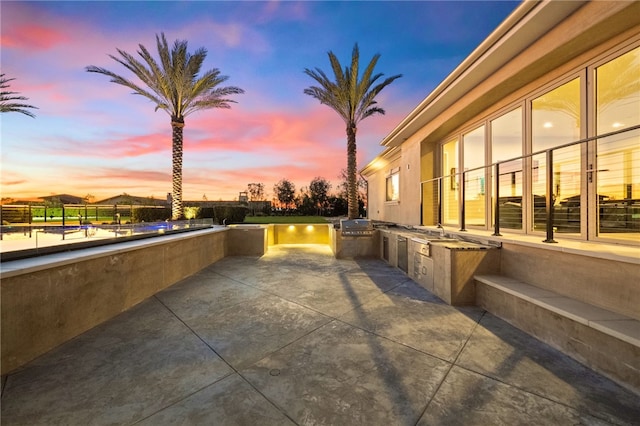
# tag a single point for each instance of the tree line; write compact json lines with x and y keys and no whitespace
{"x":315,"y":199}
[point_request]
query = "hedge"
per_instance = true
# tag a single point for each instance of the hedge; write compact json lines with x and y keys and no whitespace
{"x":151,"y":214}
{"x":206,"y":213}
{"x":232,"y":214}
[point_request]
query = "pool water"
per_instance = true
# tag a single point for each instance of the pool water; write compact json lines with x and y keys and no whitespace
{"x":26,"y":237}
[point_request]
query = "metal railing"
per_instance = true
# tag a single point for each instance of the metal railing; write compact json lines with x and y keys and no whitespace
{"x":619,"y":214}
{"x":72,"y":213}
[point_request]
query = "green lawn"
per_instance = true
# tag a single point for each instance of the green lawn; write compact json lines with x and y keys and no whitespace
{"x":285,"y":219}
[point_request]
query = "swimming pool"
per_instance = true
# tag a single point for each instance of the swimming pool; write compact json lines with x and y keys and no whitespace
{"x":24,"y":239}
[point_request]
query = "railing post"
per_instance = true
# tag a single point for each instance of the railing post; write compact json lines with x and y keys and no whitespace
{"x":496,"y":206}
{"x":440,"y":188}
{"x":549,"y":198}
{"x":421,"y":203}
{"x":462,"y":211}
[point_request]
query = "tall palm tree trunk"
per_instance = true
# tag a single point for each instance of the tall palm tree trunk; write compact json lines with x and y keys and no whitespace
{"x":352,"y":190}
{"x":176,"y":195}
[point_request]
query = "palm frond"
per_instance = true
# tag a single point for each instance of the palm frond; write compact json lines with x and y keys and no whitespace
{"x":352,"y":96}
{"x":8,"y":99}
{"x":368,"y":101}
{"x":172,"y":81}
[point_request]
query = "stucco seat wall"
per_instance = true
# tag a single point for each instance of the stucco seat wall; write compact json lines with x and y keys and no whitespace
{"x":605,"y":341}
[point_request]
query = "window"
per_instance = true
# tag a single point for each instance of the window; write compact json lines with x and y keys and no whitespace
{"x":450,"y":183}
{"x":555,"y":120}
{"x":594,"y":185}
{"x":393,"y":185}
{"x":617,"y":170}
{"x":506,"y":143}
{"x":474,"y":196}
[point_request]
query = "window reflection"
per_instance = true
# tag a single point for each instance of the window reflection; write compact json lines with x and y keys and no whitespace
{"x":393,"y":185}
{"x":506,"y":143}
{"x":450,"y":184}
{"x":474,"y":148}
{"x":555,"y":120}
{"x":602,"y":173}
{"x":618,"y":157}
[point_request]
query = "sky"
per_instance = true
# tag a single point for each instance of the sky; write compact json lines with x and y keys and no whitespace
{"x":91,"y":136}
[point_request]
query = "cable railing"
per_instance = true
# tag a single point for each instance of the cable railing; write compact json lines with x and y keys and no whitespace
{"x":547,"y":183}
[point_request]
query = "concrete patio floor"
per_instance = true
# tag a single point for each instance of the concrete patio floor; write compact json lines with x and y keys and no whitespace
{"x":298,"y":337}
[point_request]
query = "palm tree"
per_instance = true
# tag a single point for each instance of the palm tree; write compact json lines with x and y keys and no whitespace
{"x":354,"y":101}
{"x":174,"y":86}
{"x":7,"y":99}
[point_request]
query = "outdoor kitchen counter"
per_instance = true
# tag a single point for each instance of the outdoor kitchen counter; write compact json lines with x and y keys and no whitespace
{"x":459,"y":245}
{"x":441,"y":264}
{"x":454,"y":265}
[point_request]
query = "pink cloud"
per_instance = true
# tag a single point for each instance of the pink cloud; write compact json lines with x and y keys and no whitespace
{"x":115,"y":173}
{"x":132,"y":146}
{"x":255,"y":131}
{"x":232,"y":34}
{"x":66,"y":43}
{"x":31,"y":37}
{"x":277,"y":10}
{"x":113,"y":146}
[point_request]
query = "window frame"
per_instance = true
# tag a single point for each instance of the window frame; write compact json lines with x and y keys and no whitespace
{"x":392,"y":174}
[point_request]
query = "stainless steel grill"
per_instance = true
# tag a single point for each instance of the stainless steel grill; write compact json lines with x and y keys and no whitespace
{"x":356,"y":227}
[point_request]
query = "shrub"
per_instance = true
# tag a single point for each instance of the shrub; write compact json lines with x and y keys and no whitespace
{"x":151,"y":214}
{"x":232,"y":214}
{"x":206,"y":213}
{"x":191,"y":212}
{"x":338,"y":206}
{"x":15,"y":215}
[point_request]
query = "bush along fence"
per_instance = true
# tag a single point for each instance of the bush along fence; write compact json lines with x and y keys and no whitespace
{"x":74,"y":214}
{"x":226,"y":215}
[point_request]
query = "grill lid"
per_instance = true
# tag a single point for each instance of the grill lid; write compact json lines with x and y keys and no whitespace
{"x":356,"y":227}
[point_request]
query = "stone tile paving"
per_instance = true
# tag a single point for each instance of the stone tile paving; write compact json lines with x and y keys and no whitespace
{"x":298,"y":337}
{"x":117,"y":373}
